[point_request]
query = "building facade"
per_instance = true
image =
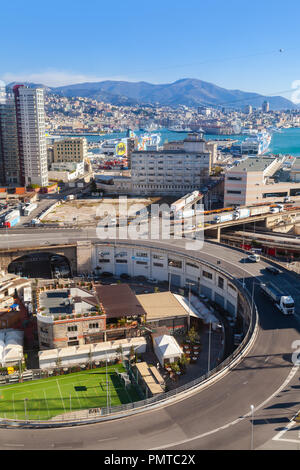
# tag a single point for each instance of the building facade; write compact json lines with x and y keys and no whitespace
{"x":30,"y":115}
{"x":171,"y":171}
{"x":70,"y":150}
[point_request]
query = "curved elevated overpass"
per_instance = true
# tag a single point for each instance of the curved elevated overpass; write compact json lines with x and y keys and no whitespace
{"x":219,"y":416}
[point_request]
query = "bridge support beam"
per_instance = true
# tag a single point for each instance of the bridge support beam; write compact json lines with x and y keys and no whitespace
{"x":213,"y":233}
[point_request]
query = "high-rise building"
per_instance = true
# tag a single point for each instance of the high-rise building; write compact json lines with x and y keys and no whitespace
{"x":266,"y":106}
{"x":9,"y":148}
{"x":30,"y":114}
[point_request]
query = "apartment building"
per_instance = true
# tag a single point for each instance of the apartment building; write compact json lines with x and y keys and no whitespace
{"x":70,"y":150}
{"x":9,"y":146}
{"x":30,"y":116}
{"x":174,"y":171}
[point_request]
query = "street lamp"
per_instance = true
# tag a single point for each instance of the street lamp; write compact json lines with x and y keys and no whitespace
{"x":189,"y":314}
{"x":25,"y":400}
{"x":170,"y":275}
{"x":209,"y":347}
{"x":252,"y":419}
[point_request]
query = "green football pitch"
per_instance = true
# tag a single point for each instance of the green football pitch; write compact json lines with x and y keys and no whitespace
{"x":44,"y":398}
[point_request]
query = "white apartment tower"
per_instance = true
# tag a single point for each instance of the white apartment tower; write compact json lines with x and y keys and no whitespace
{"x":31,"y":135}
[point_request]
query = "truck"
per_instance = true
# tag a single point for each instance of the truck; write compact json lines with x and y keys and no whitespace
{"x":184,"y":214}
{"x":12,"y":215}
{"x":241,"y":214}
{"x":219,"y":219}
{"x":12,"y":222}
{"x":27,"y":209}
{"x":35,"y":222}
{"x":259,"y":210}
{"x":277,"y":208}
{"x":283,"y":301}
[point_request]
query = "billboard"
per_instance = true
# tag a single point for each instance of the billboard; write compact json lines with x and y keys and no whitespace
{"x":121,"y":149}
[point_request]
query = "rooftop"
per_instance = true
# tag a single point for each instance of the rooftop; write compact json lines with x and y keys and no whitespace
{"x":254,"y":164}
{"x":119,"y":301}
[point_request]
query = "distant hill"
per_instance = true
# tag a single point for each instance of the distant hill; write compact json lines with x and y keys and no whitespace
{"x":189,"y":92}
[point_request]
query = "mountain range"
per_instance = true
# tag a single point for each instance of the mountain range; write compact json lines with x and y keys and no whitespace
{"x":188,"y":91}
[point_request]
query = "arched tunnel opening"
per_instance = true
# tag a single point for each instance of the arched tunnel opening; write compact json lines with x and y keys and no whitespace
{"x":41,"y":265}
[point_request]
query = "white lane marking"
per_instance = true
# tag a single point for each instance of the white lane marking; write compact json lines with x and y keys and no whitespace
{"x":14,"y":445}
{"x":108,"y":439}
{"x":289,"y":426}
{"x":213,"y":431}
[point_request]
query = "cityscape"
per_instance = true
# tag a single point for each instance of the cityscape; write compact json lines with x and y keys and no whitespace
{"x":150,"y":240}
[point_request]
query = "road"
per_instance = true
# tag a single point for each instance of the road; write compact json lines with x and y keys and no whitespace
{"x":217,"y":417}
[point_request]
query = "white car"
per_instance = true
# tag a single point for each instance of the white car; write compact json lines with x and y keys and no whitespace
{"x":255,"y":258}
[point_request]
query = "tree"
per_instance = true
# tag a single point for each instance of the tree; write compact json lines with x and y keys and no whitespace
{"x":193,"y":335}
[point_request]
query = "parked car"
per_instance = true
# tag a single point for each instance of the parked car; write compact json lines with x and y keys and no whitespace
{"x":152,"y":281}
{"x":124,"y":276}
{"x":106,"y":274}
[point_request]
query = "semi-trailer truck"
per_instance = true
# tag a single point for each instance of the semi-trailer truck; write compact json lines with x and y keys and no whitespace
{"x":12,"y":222}
{"x":241,"y":214}
{"x":284,"y":302}
{"x":219,"y":219}
{"x":29,"y":208}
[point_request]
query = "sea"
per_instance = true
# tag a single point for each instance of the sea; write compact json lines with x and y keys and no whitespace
{"x":285,"y":142}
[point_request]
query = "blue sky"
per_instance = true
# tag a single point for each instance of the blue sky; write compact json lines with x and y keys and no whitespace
{"x":234,"y":44}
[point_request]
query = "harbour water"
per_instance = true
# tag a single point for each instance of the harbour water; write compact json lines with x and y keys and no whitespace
{"x":287,"y":141}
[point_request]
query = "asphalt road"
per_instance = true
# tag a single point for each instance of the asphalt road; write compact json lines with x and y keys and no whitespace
{"x":219,"y":416}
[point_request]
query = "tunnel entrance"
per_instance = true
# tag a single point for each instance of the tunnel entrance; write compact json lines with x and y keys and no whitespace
{"x":41,"y":265}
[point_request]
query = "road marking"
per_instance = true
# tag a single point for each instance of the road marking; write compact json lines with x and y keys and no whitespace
{"x":108,"y":439}
{"x":15,"y":445}
{"x":238,"y":420}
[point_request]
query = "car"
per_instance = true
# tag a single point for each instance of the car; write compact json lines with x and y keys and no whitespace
{"x":106,"y":274}
{"x":124,"y":276}
{"x":255,"y":258}
{"x":273,"y":270}
{"x":152,"y":281}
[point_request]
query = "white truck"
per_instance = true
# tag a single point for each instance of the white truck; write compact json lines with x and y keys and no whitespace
{"x":285,"y":303}
{"x":241,"y":214}
{"x":219,"y":219}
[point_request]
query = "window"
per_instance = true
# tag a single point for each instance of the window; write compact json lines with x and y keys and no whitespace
{"x":94,"y":325}
{"x":234,"y":192}
{"x":72,"y":328}
{"x":207,"y":274}
{"x":141,"y":262}
{"x":192,"y":265}
{"x":101,"y":260}
{"x":234,"y":178}
{"x":221,"y":283}
{"x":175,"y":263}
{"x":159,"y":265}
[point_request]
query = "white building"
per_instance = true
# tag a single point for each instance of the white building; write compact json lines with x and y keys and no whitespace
{"x":171,"y":172}
{"x":31,"y":128}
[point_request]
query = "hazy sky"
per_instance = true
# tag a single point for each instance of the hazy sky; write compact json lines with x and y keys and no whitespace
{"x":234,"y":44}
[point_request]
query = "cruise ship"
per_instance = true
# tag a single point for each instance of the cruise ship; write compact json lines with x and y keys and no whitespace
{"x":179,"y":129}
{"x":256,"y":145}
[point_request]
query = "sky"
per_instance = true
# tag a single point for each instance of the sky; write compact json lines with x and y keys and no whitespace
{"x":247,"y":45}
